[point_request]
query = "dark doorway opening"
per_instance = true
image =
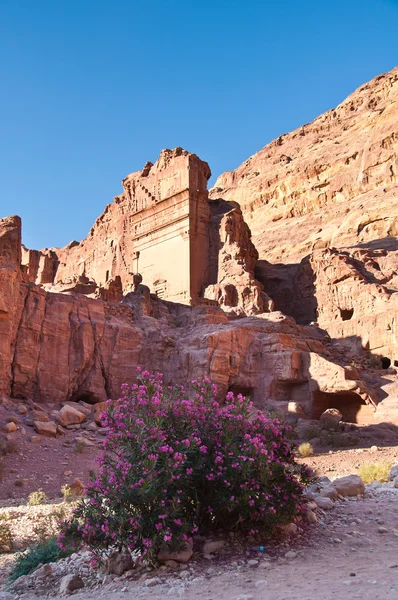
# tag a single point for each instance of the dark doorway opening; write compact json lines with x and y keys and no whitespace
{"x":385,"y":362}
{"x":87,"y":397}
{"x":238,"y":389}
{"x":350,"y":404}
{"x":346,"y":313}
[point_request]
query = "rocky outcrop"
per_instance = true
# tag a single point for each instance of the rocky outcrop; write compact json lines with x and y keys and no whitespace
{"x":232,"y":262}
{"x":332,"y":182}
{"x":322,"y":205}
{"x":60,"y":347}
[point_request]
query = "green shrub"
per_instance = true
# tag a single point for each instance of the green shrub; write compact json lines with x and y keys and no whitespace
{"x":174,"y":465}
{"x":37,"y":498}
{"x":41,"y":553}
{"x":375,"y":472}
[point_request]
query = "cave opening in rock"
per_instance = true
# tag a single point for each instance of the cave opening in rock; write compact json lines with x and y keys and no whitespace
{"x":350,"y":404}
{"x":385,"y":362}
{"x":87,"y":397}
{"x":238,"y":389}
{"x":346,"y":313}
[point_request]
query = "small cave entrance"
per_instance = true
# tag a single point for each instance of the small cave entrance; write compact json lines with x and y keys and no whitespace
{"x":350,"y":404}
{"x":385,"y":362}
{"x":87,"y":397}
{"x":346,"y":313}
{"x":238,"y":389}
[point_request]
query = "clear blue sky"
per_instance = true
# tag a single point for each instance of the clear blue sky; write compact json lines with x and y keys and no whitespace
{"x":92,"y":89}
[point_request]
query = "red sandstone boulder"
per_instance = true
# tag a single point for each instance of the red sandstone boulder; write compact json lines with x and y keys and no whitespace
{"x":47,"y":429}
{"x":69,"y":416}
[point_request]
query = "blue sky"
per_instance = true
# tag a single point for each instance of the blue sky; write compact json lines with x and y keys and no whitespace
{"x":91,"y":90}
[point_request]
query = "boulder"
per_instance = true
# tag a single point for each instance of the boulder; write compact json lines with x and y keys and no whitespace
{"x":212,"y":547}
{"x":40,"y":415}
{"x":46,"y":428}
{"x":352,"y":485}
{"x":309,"y":517}
{"x":10,"y":427}
{"x":70,"y":583}
{"x":82,"y":407}
{"x":330,"y":418}
{"x":70,"y":416}
{"x":182,"y":556}
{"x":324,"y":503}
{"x":83,"y":442}
{"x":119,"y":562}
{"x":393,"y":473}
{"x":98,"y":409}
{"x":77,"y":487}
{"x":328,"y":492}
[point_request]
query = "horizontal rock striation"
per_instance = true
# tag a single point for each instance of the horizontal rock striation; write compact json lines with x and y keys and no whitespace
{"x":332,"y":182}
{"x":58,"y":347}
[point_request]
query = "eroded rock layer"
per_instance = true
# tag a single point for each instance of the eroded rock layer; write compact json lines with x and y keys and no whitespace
{"x":57,"y":347}
{"x":332,"y":182}
{"x":322,"y":205}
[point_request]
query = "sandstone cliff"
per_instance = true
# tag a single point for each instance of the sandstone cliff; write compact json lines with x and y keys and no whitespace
{"x":322,"y":204}
{"x":332,"y":182}
{"x":57,"y":347}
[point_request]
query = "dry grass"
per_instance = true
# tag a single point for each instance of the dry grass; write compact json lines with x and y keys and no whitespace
{"x":37,"y":498}
{"x":305,"y":449}
{"x":375,"y":472}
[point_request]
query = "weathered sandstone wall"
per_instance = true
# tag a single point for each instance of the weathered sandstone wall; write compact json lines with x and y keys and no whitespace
{"x":57,"y":347}
{"x":332,"y":182}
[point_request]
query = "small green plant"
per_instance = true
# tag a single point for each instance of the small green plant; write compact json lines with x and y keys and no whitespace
{"x":41,"y":553}
{"x":5,"y":533}
{"x":305,"y":449}
{"x":374,"y":472}
{"x":37,"y":498}
{"x":67,"y":493}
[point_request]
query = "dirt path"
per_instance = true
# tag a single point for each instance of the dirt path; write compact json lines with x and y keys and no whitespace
{"x":353,"y":553}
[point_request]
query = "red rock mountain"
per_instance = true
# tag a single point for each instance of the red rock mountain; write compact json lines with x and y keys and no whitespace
{"x":322,"y":205}
{"x":306,"y":228}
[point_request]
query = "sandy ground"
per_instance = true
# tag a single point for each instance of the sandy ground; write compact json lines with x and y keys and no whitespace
{"x":353,"y":553}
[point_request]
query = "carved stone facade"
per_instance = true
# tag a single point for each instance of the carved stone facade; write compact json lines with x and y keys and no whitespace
{"x":187,"y":249}
{"x":157,"y":226}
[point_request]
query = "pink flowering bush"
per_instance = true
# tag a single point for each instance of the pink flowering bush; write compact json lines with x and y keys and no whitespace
{"x":174,"y":465}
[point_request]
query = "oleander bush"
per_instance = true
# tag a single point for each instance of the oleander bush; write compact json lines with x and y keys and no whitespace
{"x":176,"y":464}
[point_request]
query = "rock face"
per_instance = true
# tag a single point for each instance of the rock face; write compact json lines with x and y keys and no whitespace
{"x":315,"y":286}
{"x":232,"y":262}
{"x":322,"y":205}
{"x":60,"y":347}
{"x":327,"y":183}
{"x":164,"y":227}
